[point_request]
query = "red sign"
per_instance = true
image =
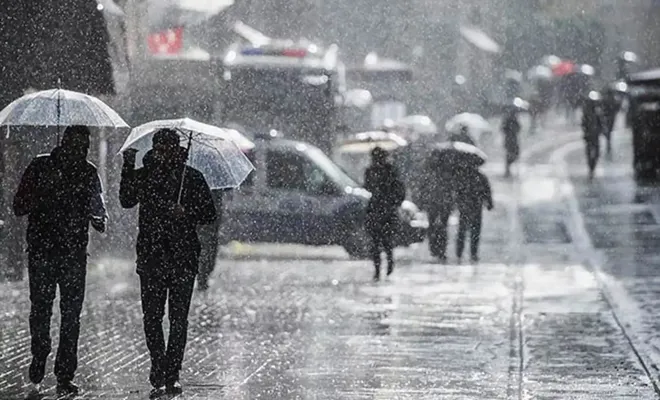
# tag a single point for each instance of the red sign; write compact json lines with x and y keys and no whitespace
{"x":169,"y":41}
{"x":563,"y":68}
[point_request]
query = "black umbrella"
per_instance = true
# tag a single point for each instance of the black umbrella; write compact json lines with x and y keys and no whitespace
{"x":458,"y":154}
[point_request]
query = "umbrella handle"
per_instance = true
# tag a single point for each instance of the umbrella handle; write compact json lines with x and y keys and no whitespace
{"x":59,"y":86}
{"x":183,"y":172}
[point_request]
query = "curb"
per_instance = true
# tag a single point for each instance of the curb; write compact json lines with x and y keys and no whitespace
{"x":615,"y":296}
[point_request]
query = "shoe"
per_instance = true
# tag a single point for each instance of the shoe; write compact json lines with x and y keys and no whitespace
{"x":443,"y":259}
{"x":34,"y":392}
{"x":157,"y":392}
{"x":67,"y":389}
{"x":376,"y":277}
{"x":390,"y":269}
{"x":475,"y":259}
{"x":202,"y":286}
{"x":37,"y":370}
{"x":173,"y":388}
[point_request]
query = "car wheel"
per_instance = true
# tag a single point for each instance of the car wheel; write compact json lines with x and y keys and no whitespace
{"x":357,"y":242}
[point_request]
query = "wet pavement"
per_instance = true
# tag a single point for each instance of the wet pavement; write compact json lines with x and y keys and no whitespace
{"x":622,"y":218}
{"x":529,"y":321}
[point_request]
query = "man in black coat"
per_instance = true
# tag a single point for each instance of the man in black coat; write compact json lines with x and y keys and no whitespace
{"x":473,"y":192}
{"x":167,"y":248}
{"x":438,"y":201}
{"x":387,"y":193}
{"x":61,"y":194}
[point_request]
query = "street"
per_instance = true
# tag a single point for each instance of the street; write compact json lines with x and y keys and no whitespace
{"x":561,"y":305}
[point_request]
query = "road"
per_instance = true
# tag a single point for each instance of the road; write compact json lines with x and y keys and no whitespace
{"x":559,"y":307}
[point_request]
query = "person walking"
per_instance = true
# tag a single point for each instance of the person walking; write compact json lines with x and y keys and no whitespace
{"x":437,"y":199}
{"x":174,"y":199}
{"x":387,"y":190}
{"x":511,"y":129}
{"x":61,"y":194}
{"x":473,"y":192}
{"x":593,"y":126}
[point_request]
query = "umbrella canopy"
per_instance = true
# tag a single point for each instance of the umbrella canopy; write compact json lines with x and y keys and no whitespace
{"x":479,"y":39}
{"x":539,"y":72}
{"x":216,"y":152}
{"x":59,"y":107}
{"x":474,"y":122}
{"x":458,"y":154}
{"x":364,"y":142}
{"x":418,"y":123}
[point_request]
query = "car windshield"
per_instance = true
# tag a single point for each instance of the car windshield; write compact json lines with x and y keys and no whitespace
{"x":334,"y":172}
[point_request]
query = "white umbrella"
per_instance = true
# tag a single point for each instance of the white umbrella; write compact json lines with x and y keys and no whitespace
{"x":418,"y":123}
{"x":217,"y":153}
{"x":59,"y":107}
{"x":480,"y":39}
{"x":474,"y":122}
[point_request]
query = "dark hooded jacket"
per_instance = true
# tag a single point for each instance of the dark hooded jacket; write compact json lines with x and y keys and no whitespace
{"x":592,"y":121}
{"x":473,"y":192}
{"x":386,"y":188}
{"x":58,"y":196}
{"x":163,"y":239}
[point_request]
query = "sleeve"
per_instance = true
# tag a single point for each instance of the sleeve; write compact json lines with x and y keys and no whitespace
{"x":202,"y":210}
{"x":487,"y":192}
{"x":129,"y":186}
{"x":26,"y":196}
{"x":97,"y":206}
{"x":369,"y":183}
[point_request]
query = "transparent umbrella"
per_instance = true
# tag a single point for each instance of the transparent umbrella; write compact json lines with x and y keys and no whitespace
{"x":474,"y":122}
{"x":217,"y":153}
{"x":59,"y":107}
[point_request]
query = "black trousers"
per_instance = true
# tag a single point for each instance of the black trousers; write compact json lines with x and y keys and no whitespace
{"x":209,"y":236}
{"x":380,"y":228}
{"x":437,"y":233}
{"x":47,"y":271}
{"x":469,"y":220}
{"x":175,"y":288}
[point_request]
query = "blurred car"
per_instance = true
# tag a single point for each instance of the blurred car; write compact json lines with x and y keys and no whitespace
{"x":297,"y":194}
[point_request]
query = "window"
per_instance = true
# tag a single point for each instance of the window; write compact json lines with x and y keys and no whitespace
{"x":285,"y":171}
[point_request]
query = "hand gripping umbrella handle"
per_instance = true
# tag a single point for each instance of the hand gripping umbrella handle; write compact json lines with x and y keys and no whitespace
{"x":183,"y":170}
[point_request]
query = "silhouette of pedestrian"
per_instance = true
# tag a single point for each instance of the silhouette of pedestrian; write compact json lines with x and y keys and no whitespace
{"x":387,"y":190}
{"x":511,"y":129}
{"x":473,"y":192}
{"x":61,"y":194}
{"x":168,"y":247}
{"x":437,"y":199}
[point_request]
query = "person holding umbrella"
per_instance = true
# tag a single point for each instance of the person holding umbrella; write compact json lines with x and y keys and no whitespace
{"x":473,"y":192}
{"x":464,"y":186}
{"x":437,"y":199}
{"x":61,"y":194}
{"x":511,"y":129}
{"x":174,"y":199}
{"x":173,"y":189}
